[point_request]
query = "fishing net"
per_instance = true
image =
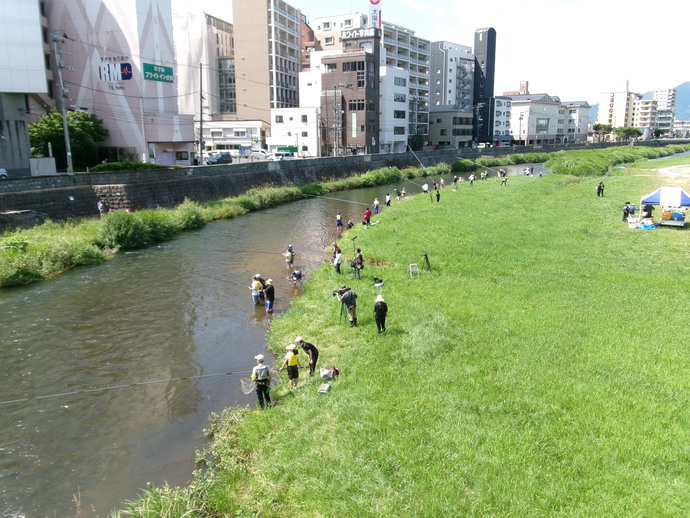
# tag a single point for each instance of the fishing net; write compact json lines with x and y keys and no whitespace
{"x":247,"y":385}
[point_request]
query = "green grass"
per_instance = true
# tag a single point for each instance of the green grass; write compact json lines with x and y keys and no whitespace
{"x":540,"y":369}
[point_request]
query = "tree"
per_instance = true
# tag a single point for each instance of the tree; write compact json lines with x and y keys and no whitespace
{"x":602,"y":129}
{"x":416,"y":142}
{"x":627,"y":133}
{"x":86,"y":131}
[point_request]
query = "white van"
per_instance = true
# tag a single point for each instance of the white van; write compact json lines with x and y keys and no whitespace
{"x":260,"y":153}
{"x":281,"y":155}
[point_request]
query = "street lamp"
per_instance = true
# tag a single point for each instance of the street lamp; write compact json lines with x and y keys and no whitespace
{"x":520,"y":133}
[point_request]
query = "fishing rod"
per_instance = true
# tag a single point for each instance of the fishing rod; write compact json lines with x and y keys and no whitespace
{"x":431,"y":199}
{"x":338,"y":199}
{"x":117,"y":387}
{"x":217,"y":279}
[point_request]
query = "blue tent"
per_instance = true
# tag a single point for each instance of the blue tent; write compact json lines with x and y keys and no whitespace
{"x":667,"y":197}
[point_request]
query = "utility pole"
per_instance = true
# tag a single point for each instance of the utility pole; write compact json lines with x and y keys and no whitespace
{"x":59,"y":37}
{"x":201,"y":115}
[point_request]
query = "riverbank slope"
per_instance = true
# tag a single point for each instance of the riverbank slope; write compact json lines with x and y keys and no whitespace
{"x":537,"y":369}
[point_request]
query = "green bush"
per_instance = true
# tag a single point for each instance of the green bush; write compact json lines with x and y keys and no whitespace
{"x":464,"y":166}
{"x":160,"y":225}
{"x":313,"y":189}
{"x":122,"y":229}
{"x":190,"y":215}
{"x":490,"y":161}
{"x":126,"y":165}
{"x":536,"y":158}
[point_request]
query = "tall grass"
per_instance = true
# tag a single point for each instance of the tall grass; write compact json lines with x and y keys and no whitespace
{"x":538,"y":369}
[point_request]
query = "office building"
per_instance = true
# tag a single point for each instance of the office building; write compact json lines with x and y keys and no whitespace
{"x":25,"y":45}
{"x":665,"y":110}
{"x":118,"y":63}
{"x":267,"y":36}
{"x":483,"y":89}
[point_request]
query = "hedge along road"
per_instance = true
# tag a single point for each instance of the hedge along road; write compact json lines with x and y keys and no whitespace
{"x":178,"y":310}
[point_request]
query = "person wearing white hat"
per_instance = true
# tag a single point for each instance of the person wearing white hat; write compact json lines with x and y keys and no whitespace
{"x":291,"y":361}
{"x":256,"y":290}
{"x":261,"y":375}
{"x":312,"y":353}
{"x":380,"y":310}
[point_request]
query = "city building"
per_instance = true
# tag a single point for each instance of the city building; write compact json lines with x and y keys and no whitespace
{"x":295,"y":130}
{"x":542,"y":119}
{"x":452,"y":79}
{"x":268,"y":47}
{"x":501,"y":113}
{"x":616,"y":108}
{"x":117,"y":62}
{"x":644,"y":116}
{"x":393,"y":123}
{"x":402,"y":50}
{"x":665,"y":110}
{"x":25,"y":77}
{"x":681,"y":129}
{"x":483,"y":89}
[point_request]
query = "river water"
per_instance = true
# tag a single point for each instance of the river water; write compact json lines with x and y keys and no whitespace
{"x":178,"y":310}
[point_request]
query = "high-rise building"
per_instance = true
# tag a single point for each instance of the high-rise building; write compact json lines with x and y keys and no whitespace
{"x":666,"y":110}
{"x":616,"y":108}
{"x":24,"y":45}
{"x":452,"y":78}
{"x":483,"y":91}
{"x":267,"y":35}
{"x":118,"y":63}
{"x":644,"y":116}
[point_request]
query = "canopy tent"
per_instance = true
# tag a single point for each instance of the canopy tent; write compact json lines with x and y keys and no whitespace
{"x":667,"y":197}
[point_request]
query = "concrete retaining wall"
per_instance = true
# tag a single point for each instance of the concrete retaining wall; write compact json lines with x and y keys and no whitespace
{"x":67,"y":196}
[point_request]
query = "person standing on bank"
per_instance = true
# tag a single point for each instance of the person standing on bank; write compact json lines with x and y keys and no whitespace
{"x":291,"y":361}
{"x":367,"y":216}
{"x":626,"y":211}
{"x":438,"y":196}
{"x":380,"y":310}
{"x":359,"y":263}
{"x":312,"y":353}
{"x":337,"y":261}
{"x":348,"y":297}
{"x":388,"y":199}
{"x":600,"y":189}
{"x":269,"y":293}
{"x":261,"y":375}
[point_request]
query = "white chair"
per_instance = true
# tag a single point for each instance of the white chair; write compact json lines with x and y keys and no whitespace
{"x":413,"y":270}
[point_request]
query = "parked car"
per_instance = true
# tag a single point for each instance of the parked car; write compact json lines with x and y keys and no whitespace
{"x":220,"y":158}
{"x":3,"y":174}
{"x":281,"y":155}
{"x":260,"y":153}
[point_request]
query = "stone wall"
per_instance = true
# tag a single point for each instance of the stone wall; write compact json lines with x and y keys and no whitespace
{"x":68,"y":196}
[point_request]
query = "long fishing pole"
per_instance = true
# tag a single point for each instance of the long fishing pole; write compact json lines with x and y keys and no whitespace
{"x":117,"y":387}
{"x":431,"y":199}
{"x":217,"y":279}
{"x":337,"y":199}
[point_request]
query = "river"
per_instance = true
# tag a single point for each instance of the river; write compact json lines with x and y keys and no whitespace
{"x":86,"y":419}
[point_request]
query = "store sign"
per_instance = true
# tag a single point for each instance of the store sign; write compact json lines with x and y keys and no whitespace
{"x":375,"y":13}
{"x":356,"y":34}
{"x":158,"y":73}
{"x":112,"y":72}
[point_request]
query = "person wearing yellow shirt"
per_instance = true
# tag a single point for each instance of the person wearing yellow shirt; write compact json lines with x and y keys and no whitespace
{"x":291,"y":362}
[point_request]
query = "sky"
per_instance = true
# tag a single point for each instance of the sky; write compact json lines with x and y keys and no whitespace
{"x":573,"y":49}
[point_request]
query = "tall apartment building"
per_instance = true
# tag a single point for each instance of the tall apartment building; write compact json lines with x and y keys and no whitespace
{"x":24,"y":45}
{"x":119,"y":64}
{"x":267,"y":35}
{"x":616,"y":108}
{"x":484,"y":74}
{"x":665,"y":109}
{"x":452,"y":80}
{"x":402,"y":49}
{"x":644,"y":116}
{"x":541,"y":119}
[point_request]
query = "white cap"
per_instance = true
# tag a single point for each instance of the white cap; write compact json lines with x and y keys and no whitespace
{"x":379,"y":298}
{"x":259,"y":357}
{"x":291,"y":347}
{"x":269,"y":281}
{"x":298,"y":339}
{"x":257,"y":275}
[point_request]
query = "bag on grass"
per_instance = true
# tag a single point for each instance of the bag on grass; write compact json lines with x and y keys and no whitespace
{"x":329,"y":374}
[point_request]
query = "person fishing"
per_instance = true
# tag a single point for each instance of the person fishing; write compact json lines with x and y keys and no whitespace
{"x":289,"y":255}
{"x":358,"y":262}
{"x":291,"y":362}
{"x":261,"y":375}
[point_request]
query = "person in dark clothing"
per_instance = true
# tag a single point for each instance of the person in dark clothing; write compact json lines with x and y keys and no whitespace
{"x":438,"y":196}
{"x":348,"y":297}
{"x":312,"y":353}
{"x":269,"y":293}
{"x":600,"y":189}
{"x":261,"y":375}
{"x":380,"y":310}
{"x":626,"y":211}
{"x":359,"y":263}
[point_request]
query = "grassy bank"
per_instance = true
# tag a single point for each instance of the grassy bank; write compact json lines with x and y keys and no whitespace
{"x":539,"y":369}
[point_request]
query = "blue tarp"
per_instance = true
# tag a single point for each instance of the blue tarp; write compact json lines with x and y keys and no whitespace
{"x":667,"y":197}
